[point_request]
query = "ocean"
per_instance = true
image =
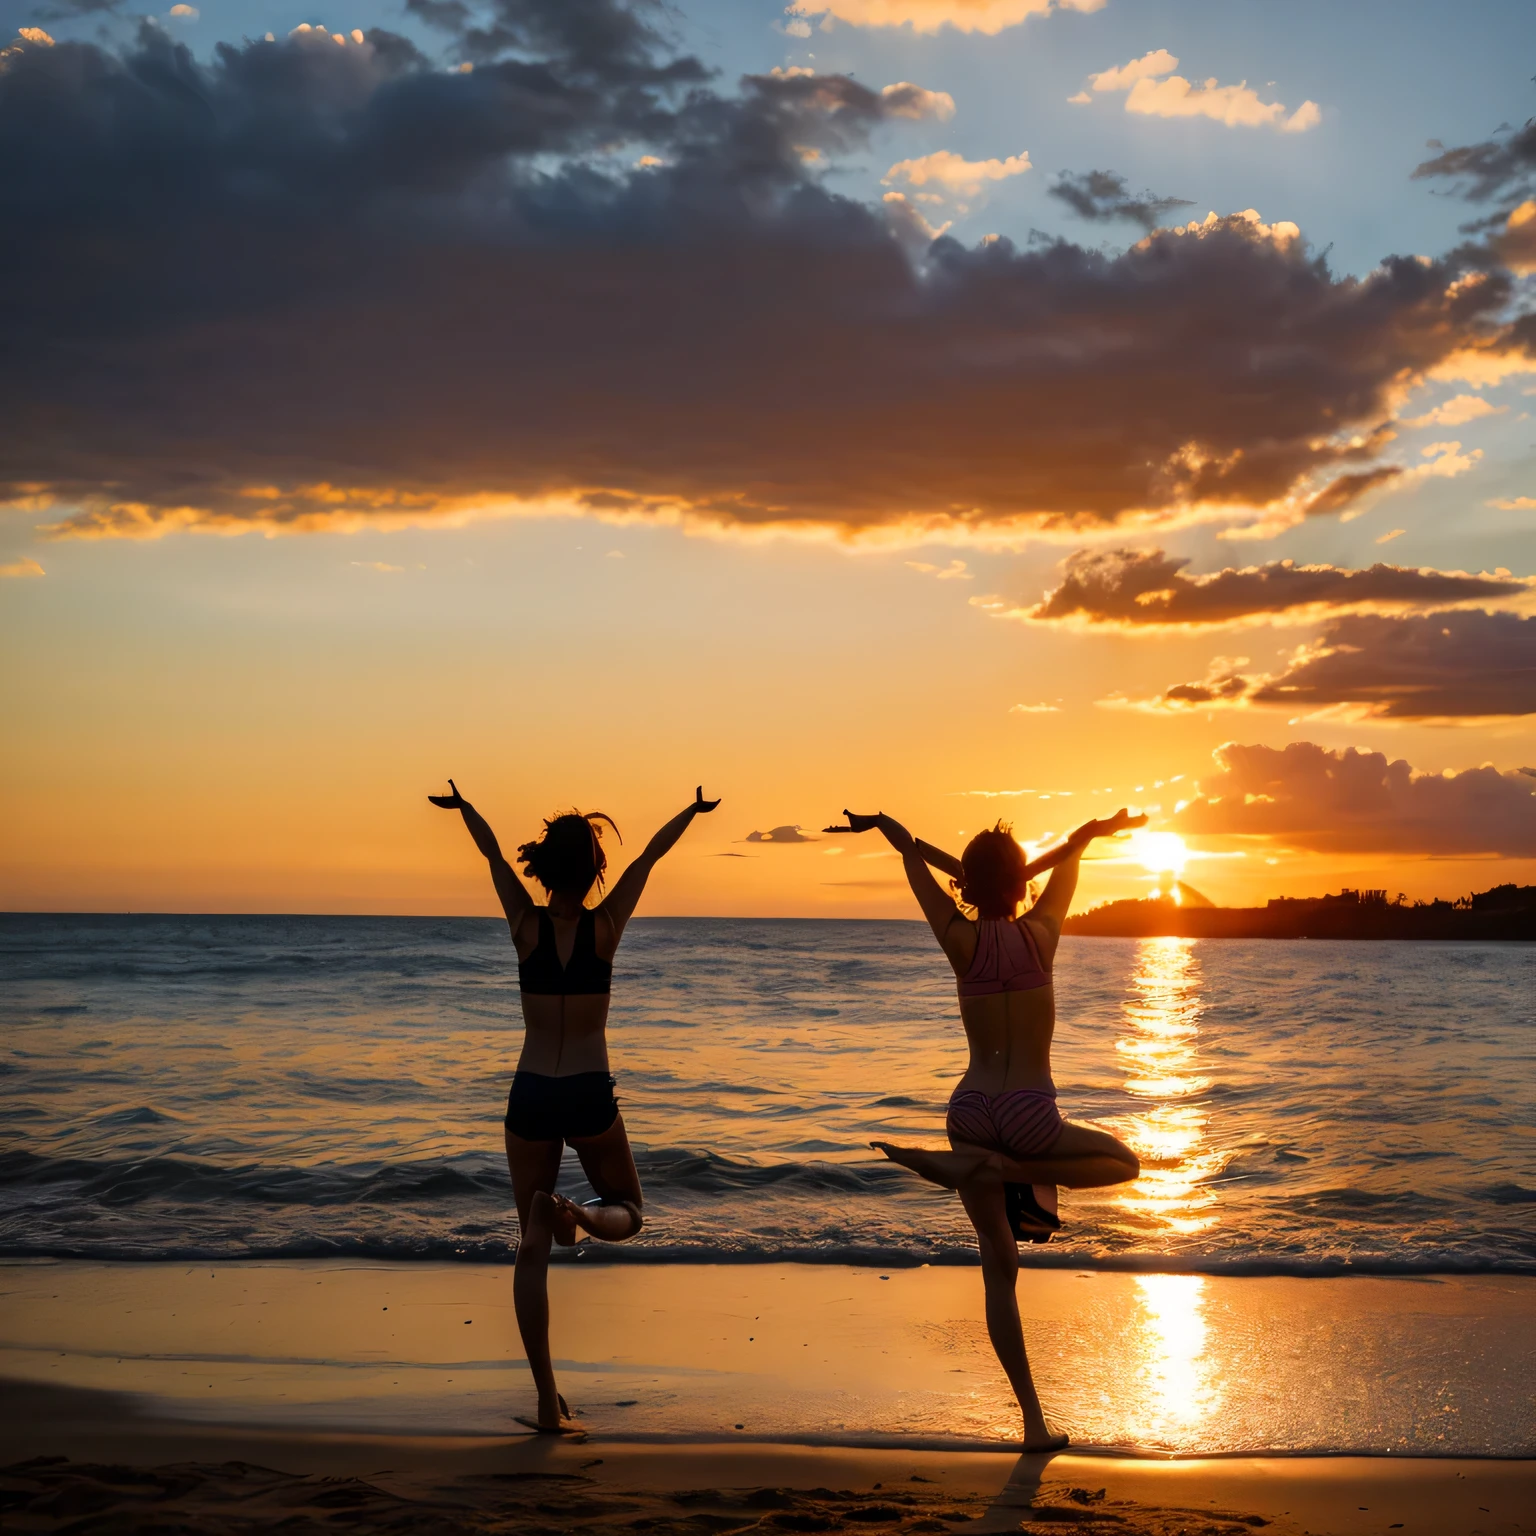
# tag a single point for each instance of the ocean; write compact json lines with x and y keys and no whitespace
{"x":218,"y":1088}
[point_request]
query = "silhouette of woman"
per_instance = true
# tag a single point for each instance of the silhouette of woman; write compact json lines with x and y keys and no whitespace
{"x":1009,"y":1145}
{"x":562,"y":1091}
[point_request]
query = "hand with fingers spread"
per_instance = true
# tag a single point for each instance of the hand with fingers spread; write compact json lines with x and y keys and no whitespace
{"x":1111,"y":826}
{"x":453,"y":802}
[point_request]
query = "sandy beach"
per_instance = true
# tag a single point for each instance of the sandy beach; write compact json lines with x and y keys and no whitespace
{"x":773,"y":1397}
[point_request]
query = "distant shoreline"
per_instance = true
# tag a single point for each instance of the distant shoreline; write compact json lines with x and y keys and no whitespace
{"x":1507,"y":913}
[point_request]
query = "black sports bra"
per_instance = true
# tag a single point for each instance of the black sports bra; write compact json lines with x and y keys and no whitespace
{"x":586,"y":973}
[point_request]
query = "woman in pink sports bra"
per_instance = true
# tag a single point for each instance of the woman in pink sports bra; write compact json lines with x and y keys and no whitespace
{"x":1009,"y":1145}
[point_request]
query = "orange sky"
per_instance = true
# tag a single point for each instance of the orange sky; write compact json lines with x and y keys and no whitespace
{"x":212,"y":724}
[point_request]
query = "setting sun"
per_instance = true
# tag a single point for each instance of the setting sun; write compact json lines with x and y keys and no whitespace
{"x":1160,"y":853}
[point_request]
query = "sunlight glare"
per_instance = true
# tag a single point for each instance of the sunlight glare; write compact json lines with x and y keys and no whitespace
{"x":1160,"y":853}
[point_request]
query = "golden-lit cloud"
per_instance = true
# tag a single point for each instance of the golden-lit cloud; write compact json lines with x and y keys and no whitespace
{"x":954,"y":571}
{"x":985,"y":16}
{"x":903,"y":99}
{"x":1349,"y":801}
{"x":22,"y":568}
{"x":954,"y":174}
{"x":1455,"y":412}
{"x":1139,"y":590}
{"x":491,"y":323}
{"x":1153,"y":90}
{"x":1451,"y":667}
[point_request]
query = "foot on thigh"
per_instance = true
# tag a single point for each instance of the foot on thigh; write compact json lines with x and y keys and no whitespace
{"x":554,"y":1213}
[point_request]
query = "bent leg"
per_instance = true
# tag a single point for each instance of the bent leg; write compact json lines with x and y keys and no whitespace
{"x":1000,"y":1272}
{"x":1079,"y":1158}
{"x":949,"y":1169}
{"x":535,"y":1165}
{"x":609,"y":1165}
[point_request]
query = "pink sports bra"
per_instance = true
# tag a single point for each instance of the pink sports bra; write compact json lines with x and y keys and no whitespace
{"x":1007,"y":960}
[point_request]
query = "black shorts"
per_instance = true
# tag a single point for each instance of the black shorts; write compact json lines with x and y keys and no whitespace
{"x":541,"y":1108}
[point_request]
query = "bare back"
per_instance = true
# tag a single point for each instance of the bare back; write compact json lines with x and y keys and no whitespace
{"x":563,"y":1035}
{"x":1009,"y":1033}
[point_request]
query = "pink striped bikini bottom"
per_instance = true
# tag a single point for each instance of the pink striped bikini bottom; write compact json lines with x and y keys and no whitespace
{"x":1022,"y":1122}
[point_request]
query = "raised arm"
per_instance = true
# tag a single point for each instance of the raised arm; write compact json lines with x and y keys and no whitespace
{"x":931,"y":853}
{"x":1064,"y":861}
{"x":622,"y":900}
{"x":515,"y":900}
{"x":937,"y":904}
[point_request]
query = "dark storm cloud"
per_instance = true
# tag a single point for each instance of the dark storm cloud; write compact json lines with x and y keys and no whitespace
{"x":1306,"y":796}
{"x":1502,"y":171}
{"x":306,"y":283}
{"x":1141,"y":589}
{"x":599,"y":39}
{"x":1501,"y":168}
{"x":1103,"y":196}
{"x":1438,"y":666}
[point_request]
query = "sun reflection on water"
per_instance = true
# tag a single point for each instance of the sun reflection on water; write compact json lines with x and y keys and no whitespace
{"x":1178,"y":1380}
{"x":1175,"y":1197}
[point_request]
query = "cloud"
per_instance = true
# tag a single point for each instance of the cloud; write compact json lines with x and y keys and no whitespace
{"x":1390,"y":534}
{"x":1147,"y":67}
{"x":1502,"y":170}
{"x":985,"y":16}
{"x":916,"y":102}
{"x":185,"y":12}
{"x":1358,"y":802}
{"x":1514,"y":503}
{"x":1132,"y":589}
{"x":1455,"y":412}
{"x":1174,"y":96}
{"x":1450,"y":666}
{"x":376,"y":565}
{"x":1102,"y":196}
{"x":1035,"y":709}
{"x":22,"y":567}
{"x":954,"y":174}
{"x":954,"y":571}
{"x":790,"y":834}
{"x":1441,"y":666}
{"x":308,"y":285}
{"x":1516,"y":245}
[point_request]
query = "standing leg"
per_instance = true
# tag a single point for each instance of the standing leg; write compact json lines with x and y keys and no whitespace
{"x":535,"y":1165}
{"x":999,"y":1273}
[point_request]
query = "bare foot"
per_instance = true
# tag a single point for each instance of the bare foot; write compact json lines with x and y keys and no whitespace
{"x":555,"y":1419}
{"x":564,"y":1219}
{"x":1044,"y":1444}
{"x":948,"y":1169}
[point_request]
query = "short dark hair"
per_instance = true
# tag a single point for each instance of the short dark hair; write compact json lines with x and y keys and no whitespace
{"x":992,"y":873}
{"x":567,"y":856}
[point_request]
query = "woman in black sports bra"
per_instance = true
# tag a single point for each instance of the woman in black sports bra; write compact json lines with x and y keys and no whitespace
{"x":562,"y":1091}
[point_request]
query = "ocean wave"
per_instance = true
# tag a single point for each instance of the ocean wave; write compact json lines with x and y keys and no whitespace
{"x":467,"y":1248}
{"x":460,"y":1209}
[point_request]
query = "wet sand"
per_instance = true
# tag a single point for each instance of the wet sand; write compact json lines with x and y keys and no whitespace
{"x":752,"y":1397}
